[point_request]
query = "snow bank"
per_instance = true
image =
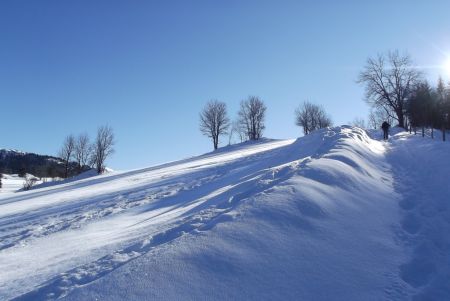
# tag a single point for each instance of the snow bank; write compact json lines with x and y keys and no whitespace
{"x":318,"y":218}
{"x":314,"y":224}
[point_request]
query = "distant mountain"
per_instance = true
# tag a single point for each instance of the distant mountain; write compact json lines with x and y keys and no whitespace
{"x":19,"y":162}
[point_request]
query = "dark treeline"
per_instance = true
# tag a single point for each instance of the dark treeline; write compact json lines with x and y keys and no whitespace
{"x":429,"y":107}
{"x":41,"y":166}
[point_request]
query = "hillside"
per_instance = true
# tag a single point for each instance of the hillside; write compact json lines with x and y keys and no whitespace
{"x":333,"y":215}
{"x":41,"y":166}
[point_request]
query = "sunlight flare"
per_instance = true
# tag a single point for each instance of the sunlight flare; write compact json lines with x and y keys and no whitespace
{"x":447,"y":66}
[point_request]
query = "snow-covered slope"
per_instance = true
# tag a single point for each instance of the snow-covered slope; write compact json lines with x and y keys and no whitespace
{"x":328,"y":216}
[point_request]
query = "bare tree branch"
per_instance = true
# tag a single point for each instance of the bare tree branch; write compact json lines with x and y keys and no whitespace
{"x":82,"y":151}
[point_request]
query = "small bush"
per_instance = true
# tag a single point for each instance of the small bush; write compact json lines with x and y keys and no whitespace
{"x":29,"y":182}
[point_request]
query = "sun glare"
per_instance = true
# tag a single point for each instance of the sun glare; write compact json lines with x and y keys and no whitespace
{"x":447,"y":66}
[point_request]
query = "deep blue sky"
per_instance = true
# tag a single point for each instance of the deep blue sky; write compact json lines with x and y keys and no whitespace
{"x":147,"y":67}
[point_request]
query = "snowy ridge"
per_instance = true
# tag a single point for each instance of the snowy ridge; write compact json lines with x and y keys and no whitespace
{"x":305,"y":219}
{"x":6,"y":151}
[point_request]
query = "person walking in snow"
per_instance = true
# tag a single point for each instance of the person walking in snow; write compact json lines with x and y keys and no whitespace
{"x":385,"y":126}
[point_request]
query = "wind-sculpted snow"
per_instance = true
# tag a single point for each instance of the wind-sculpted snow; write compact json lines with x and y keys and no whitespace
{"x":311,"y":219}
{"x":52,"y":230}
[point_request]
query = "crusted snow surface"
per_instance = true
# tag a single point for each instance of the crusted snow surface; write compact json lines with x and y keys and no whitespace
{"x":327,"y":216}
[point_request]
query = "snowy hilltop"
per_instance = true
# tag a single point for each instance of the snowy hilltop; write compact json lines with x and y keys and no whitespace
{"x":334,"y":215}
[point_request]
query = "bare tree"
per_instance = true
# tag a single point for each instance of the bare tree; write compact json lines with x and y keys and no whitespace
{"x":252,"y":116}
{"x":359,"y":122}
{"x":214,"y":121}
{"x":372,"y":120}
{"x":82,"y":151}
{"x":102,"y":148}
{"x":377,"y":116}
{"x":389,"y":80}
{"x":303,"y":117}
{"x":238,"y":130}
{"x":323,"y":119}
{"x":231,"y":133}
{"x":66,"y":153}
{"x":1,"y":176}
{"x":311,"y":117}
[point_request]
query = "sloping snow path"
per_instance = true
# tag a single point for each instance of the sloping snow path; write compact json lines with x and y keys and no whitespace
{"x":421,"y":169}
{"x":318,"y":218}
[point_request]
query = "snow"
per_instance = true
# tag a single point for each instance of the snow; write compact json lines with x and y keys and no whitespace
{"x":10,"y":184}
{"x":421,"y":169}
{"x":333,"y":215}
{"x":6,"y":150}
{"x":13,"y":183}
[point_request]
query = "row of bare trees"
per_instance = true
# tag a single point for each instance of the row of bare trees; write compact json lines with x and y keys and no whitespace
{"x":249,"y":125}
{"x":250,"y":122}
{"x":80,"y":150}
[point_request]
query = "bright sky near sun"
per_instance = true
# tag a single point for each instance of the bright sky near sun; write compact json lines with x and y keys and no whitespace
{"x":147,"y":67}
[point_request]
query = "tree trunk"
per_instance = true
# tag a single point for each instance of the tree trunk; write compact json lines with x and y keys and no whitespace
{"x":66,"y":169}
{"x":401,"y":118}
{"x":216,"y":142}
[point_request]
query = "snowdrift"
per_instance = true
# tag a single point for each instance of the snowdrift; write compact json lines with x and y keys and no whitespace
{"x":312,"y":219}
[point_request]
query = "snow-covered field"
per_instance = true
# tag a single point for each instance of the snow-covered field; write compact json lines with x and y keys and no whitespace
{"x":14,"y":183}
{"x":335,"y":215}
{"x":10,"y":184}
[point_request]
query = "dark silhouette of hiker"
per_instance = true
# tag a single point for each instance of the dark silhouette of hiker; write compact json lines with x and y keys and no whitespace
{"x":385,"y":126}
